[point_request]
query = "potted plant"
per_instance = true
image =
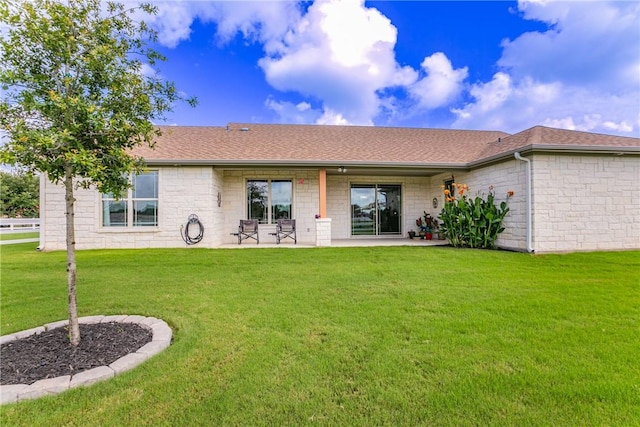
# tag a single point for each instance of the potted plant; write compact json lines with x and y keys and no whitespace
{"x":422,"y":228}
{"x":427,"y":225}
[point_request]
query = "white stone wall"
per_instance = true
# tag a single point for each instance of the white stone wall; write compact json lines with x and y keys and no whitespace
{"x":505,"y":176}
{"x":585,"y":203}
{"x":182,"y":191}
{"x":305,"y":202}
{"x":414,"y":200}
{"x":323,"y":232}
{"x":579,"y":203}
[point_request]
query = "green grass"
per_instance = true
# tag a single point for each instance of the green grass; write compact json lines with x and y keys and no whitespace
{"x":347,"y":336}
{"x":19,"y":236}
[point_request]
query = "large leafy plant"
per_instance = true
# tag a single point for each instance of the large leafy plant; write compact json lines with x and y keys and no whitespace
{"x":472,"y":222}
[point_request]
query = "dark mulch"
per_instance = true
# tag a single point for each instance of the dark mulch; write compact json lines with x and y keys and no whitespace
{"x":50,"y":354}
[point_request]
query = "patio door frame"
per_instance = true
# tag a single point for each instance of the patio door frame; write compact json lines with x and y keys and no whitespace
{"x":374,"y":210}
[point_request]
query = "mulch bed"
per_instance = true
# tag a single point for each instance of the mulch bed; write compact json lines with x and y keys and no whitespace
{"x":50,"y":354}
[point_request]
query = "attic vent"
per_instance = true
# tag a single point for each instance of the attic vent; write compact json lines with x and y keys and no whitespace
{"x":244,"y":129}
{"x":499,"y":139}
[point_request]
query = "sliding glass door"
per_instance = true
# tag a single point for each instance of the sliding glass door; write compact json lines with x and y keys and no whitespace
{"x":375,"y":209}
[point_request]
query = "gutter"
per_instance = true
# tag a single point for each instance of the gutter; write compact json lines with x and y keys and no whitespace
{"x":528,"y":190}
{"x":43,"y":211}
{"x":302,"y":163}
{"x":505,"y":155}
{"x":550,"y":148}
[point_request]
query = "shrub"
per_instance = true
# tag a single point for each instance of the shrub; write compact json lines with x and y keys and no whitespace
{"x":19,"y":195}
{"x":472,"y":222}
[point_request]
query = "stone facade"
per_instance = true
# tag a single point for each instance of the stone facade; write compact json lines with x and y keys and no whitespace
{"x":414,"y":200}
{"x":182,"y":191}
{"x":501,"y":177}
{"x":585,"y":203}
{"x":580,"y":203}
{"x":305,"y":202}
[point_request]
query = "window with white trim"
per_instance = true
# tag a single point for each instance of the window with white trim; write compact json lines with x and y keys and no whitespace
{"x":269,"y":200}
{"x":137,"y":207}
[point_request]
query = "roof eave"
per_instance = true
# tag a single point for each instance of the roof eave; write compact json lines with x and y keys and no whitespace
{"x":302,"y":163}
{"x":565,"y":149}
{"x":505,"y":155}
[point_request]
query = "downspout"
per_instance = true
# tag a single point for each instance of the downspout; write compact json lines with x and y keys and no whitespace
{"x":528,"y":161}
{"x":43,"y":210}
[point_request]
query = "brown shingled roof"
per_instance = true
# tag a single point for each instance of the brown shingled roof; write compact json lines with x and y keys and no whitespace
{"x":541,"y":138}
{"x":355,"y":145}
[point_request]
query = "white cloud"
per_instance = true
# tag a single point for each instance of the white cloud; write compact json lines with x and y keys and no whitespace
{"x":303,"y":106}
{"x":330,"y":117}
{"x":512,"y":105}
{"x":341,"y":53}
{"x":589,"y":43}
{"x":583,"y":73}
{"x":622,"y":127}
{"x":266,"y":22}
{"x":489,"y":96}
{"x":289,"y":112}
{"x":441,"y":85}
{"x":261,"y":21}
{"x":173,"y":20}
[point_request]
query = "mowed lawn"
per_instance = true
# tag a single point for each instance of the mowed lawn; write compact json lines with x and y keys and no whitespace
{"x":20,"y":236}
{"x":347,"y":336}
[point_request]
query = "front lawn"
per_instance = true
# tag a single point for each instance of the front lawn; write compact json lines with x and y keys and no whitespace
{"x":20,"y":236}
{"x":347,"y":336}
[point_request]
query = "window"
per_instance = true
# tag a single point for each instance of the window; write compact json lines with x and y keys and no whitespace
{"x":269,"y":200}
{"x":448,"y":185}
{"x":137,"y":207}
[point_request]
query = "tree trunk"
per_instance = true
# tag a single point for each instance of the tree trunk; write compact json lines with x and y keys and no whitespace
{"x":74,"y":329}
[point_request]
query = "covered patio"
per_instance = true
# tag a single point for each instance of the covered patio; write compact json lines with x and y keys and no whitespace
{"x":355,"y":242}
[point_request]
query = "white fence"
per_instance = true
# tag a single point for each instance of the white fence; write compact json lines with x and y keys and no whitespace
{"x":19,"y":224}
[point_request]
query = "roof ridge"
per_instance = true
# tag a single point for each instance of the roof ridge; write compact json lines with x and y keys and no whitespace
{"x":244,"y":124}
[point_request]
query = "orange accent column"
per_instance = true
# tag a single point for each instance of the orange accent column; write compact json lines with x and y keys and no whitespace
{"x":322,"y":193}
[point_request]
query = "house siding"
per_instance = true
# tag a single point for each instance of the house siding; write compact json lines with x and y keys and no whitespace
{"x":503,"y":177}
{"x":585,"y":203}
{"x":580,"y":203}
{"x":305,"y":202}
{"x":414,"y":200}
{"x":181,"y":191}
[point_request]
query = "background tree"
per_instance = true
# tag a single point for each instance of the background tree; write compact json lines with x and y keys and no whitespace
{"x":19,"y":195}
{"x":76,"y":100}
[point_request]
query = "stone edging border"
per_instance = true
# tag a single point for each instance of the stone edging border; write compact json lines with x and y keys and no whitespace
{"x":161,"y":339}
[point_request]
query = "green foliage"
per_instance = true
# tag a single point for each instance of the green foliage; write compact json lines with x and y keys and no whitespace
{"x":19,"y":195}
{"x":473,"y":222}
{"x":76,"y":97}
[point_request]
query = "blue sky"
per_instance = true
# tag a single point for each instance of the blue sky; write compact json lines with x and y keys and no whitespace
{"x":499,"y":65}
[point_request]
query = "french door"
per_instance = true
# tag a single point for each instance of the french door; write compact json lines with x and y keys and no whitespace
{"x":375,"y":209}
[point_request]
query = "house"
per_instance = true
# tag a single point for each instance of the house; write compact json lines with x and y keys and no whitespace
{"x":573,"y":191}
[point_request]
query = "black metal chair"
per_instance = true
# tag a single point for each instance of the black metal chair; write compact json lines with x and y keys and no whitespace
{"x":286,"y":228}
{"x":248,"y":229}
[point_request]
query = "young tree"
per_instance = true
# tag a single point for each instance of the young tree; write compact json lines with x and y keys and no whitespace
{"x":76,"y":98}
